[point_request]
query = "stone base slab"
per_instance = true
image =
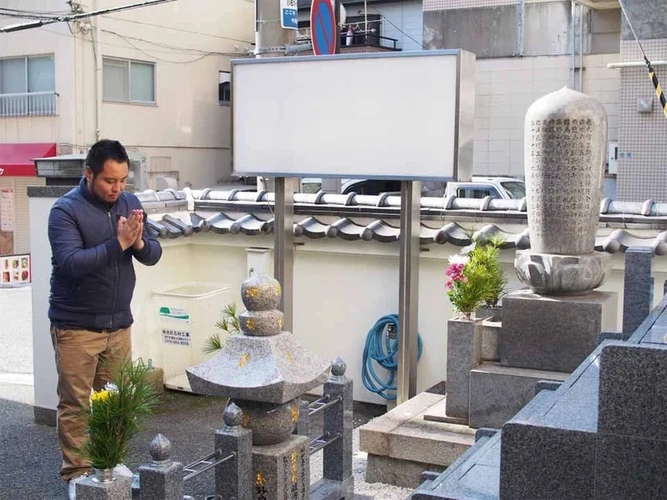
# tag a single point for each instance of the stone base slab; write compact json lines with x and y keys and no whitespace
{"x":118,"y":489}
{"x":404,"y":442}
{"x":327,"y":489}
{"x":497,"y":393}
{"x":403,"y":473}
{"x":553,"y":333}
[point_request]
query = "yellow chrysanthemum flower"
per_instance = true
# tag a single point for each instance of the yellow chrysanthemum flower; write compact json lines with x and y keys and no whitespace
{"x":99,"y":396}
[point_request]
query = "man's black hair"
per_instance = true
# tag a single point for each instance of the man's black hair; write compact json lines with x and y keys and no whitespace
{"x":104,"y":150}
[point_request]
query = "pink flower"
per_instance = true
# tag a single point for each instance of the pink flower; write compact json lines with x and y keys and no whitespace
{"x":455,"y":273}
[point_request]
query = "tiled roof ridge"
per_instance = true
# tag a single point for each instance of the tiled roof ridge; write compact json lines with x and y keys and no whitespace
{"x":210,"y":197}
{"x":188,"y":223}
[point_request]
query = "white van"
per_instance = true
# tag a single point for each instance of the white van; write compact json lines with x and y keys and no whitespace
{"x":507,"y":188}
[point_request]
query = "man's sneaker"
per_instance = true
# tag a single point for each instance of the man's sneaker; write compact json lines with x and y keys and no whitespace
{"x":72,"y":484}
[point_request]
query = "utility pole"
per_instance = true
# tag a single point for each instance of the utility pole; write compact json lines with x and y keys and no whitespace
{"x":270,"y":37}
{"x":271,"y":40}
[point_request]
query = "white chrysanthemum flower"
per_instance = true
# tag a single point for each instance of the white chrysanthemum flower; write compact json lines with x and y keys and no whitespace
{"x":458,"y":259}
{"x":110,"y":386}
{"x":467,"y":249}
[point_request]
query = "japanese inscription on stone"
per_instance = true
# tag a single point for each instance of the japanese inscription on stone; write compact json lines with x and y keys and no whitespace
{"x":559,"y":150}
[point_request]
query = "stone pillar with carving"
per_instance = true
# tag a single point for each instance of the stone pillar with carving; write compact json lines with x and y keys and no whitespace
{"x":565,"y":140}
{"x":553,"y":325}
{"x":264,"y":370}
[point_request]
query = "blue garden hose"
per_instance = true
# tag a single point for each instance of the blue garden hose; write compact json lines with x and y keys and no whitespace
{"x":382,"y":349}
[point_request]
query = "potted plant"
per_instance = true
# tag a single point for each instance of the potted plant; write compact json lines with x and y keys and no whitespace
{"x":475,"y":278}
{"x":114,"y":416}
{"x":229,"y":324}
{"x":487,"y":255}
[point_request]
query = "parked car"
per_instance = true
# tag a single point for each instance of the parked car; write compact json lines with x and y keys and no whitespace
{"x":507,"y":188}
{"x":480,"y":187}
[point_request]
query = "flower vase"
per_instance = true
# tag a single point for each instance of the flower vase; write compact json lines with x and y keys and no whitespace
{"x":466,"y":316}
{"x":103,"y":475}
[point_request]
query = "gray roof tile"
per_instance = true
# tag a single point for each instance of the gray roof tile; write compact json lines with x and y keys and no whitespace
{"x":250,"y":213}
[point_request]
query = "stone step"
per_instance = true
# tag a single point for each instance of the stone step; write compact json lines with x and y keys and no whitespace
{"x":498,"y":392}
{"x":401,"y":444}
{"x":475,"y":473}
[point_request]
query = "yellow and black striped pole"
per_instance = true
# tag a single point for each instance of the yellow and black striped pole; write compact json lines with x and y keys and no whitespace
{"x":656,"y":84}
{"x":651,"y":71}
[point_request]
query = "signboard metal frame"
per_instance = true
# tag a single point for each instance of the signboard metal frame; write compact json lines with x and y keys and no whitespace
{"x":410,"y":221}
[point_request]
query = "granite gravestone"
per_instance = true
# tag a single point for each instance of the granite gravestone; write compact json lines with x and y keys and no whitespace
{"x":565,"y":139}
{"x":554,"y":324}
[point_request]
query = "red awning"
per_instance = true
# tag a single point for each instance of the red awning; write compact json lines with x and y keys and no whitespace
{"x":16,"y":159}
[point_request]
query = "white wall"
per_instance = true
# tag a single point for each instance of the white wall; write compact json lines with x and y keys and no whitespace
{"x":507,"y":87}
{"x":340,"y":290}
{"x":402,"y":21}
{"x":42,"y":349}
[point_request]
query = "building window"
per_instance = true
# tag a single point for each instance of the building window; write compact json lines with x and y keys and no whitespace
{"x":224,"y":87}
{"x":128,"y":81}
{"x":28,"y":86}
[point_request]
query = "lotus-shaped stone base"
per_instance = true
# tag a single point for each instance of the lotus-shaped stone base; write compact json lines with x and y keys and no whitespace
{"x":548,"y":274}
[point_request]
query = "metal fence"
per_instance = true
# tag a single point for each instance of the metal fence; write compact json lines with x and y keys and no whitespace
{"x":28,"y":104}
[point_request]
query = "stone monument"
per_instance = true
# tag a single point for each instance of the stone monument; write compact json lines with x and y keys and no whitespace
{"x":565,"y":141}
{"x":264,"y":371}
{"x":551,"y":327}
{"x":554,"y":325}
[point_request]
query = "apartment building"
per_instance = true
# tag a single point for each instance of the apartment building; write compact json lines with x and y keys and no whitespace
{"x":156,"y":78}
{"x":528,"y":48}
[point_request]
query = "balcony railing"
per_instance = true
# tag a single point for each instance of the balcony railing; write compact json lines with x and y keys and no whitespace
{"x":357,"y":39}
{"x":28,"y":104}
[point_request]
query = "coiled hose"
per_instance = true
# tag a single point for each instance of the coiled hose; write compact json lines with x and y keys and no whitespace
{"x":382,"y":349}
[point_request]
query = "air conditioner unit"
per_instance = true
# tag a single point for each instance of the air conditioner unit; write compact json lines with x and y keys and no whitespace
{"x":612,"y":158}
{"x":138,"y":178}
{"x":70,"y":168}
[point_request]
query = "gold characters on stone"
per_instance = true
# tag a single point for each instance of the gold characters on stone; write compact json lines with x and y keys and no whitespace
{"x":245,"y":357}
{"x":295,"y":413}
{"x":295,"y":467}
{"x":260,"y":480}
{"x":251,"y":292}
{"x":246,"y":420}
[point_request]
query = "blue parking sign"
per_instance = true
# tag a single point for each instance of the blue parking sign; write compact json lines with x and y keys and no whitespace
{"x":289,"y":14}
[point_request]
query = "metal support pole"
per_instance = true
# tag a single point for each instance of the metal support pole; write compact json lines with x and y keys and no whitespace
{"x":581,"y":48}
{"x":522,"y":14}
{"x":283,"y":232}
{"x":337,"y":31}
{"x":572,"y":41}
{"x":270,"y":38}
{"x":408,"y":290}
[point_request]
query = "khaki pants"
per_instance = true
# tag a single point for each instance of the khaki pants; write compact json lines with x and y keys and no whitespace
{"x":81,"y":360}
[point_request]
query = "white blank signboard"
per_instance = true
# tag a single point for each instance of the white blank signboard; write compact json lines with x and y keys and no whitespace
{"x":389,"y":116}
